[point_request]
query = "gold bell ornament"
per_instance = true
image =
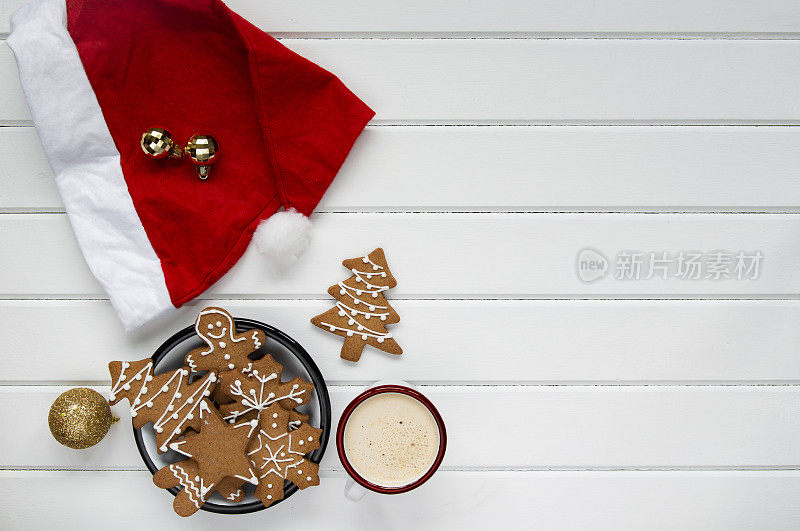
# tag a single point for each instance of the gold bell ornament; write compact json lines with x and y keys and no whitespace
{"x":157,"y":143}
{"x":80,"y":418}
{"x":202,"y":149}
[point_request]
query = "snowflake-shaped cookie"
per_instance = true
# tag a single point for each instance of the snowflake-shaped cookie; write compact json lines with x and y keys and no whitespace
{"x":243,"y":395}
{"x":278,"y":453}
{"x":232,"y":489}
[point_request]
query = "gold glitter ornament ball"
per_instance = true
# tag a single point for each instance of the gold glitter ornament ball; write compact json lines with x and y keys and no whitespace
{"x":80,"y":418}
{"x":157,"y":143}
{"x":202,"y":149}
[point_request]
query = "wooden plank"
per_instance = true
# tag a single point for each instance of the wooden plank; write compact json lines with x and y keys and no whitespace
{"x":455,"y":500}
{"x":484,"y":256}
{"x":580,"y":427}
{"x":552,"y":341}
{"x":520,"y":80}
{"x":518,"y":168}
{"x":508,"y":16}
{"x":13,"y":106}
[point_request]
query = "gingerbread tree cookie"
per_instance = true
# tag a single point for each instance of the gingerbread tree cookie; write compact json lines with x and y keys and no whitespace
{"x":362,"y":311}
{"x":258,"y":386}
{"x":227,"y":349}
{"x":217,"y":452}
{"x":167,"y":400}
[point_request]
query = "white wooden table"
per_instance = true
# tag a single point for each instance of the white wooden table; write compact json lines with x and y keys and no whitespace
{"x":509,"y":136}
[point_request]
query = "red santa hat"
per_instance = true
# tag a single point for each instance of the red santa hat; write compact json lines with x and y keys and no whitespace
{"x":98,"y":73}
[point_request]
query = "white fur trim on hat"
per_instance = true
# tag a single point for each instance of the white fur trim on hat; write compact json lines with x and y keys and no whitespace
{"x":86,"y":163}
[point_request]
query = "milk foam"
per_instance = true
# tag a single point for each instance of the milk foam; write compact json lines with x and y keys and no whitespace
{"x":391,"y":439}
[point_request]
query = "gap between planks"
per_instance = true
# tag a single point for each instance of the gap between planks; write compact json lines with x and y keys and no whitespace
{"x":471,"y":384}
{"x":329,"y":472}
{"x":524,"y":35}
{"x":497,"y":211}
{"x":464,"y":122}
{"x":445,"y":297}
{"x":507,"y":210}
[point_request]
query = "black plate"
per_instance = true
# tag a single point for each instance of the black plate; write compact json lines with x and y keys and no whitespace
{"x":296,"y":362}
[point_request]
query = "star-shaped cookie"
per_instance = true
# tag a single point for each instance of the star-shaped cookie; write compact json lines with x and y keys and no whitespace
{"x":216,"y":452}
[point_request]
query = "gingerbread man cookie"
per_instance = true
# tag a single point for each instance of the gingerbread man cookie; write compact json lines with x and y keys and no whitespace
{"x":243,"y":395}
{"x":167,"y":400}
{"x":227,"y":349}
{"x":217,"y":452}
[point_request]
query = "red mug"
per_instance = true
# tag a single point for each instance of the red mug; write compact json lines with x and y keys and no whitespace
{"x":355,"y":477}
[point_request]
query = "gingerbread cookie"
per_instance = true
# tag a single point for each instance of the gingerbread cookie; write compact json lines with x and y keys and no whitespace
{"x":232,"y":489}
{"x":218,"y":451}
{"x":244,"y":394}
{"x":296,"y":419}
{"x":227,"y":349}
{"x":167,"y":400}
{"x":362,"y":311}
{"x":277,"y":454}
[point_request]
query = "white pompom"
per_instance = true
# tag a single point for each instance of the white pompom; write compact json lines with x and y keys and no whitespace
{"x":283,"y":237}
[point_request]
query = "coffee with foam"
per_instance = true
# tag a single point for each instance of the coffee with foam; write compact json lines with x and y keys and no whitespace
{"x":391,"y":439}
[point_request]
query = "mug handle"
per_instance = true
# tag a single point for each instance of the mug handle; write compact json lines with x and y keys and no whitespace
{"x":353,"y":491}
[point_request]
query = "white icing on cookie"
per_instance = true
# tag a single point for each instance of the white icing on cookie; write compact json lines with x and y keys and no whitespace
{"x":375,"y":266}
{"x":212,"y":339}
{"x":276,"y":462}
{"x":196,"y":493}
{"x":358,"y":291}
{"x":257,"y":343}
{"x":371,"y":333}
{"x":175,"y":408}
{"x":262,"y":400}
{"x":353,"y":311}
{"x":359,"y":278}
